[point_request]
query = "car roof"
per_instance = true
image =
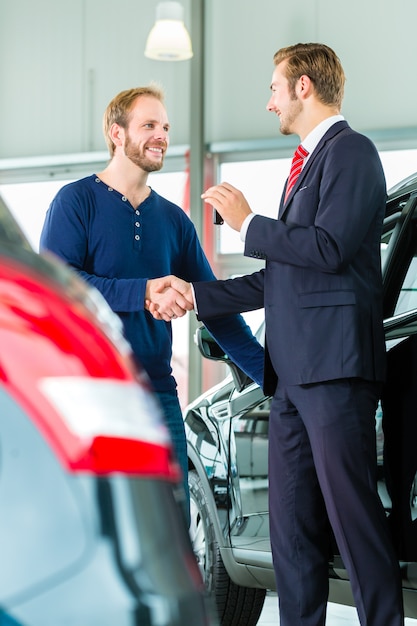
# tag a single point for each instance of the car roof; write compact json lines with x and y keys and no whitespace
{"x":407,"y":185}
{"x":10,"y":232}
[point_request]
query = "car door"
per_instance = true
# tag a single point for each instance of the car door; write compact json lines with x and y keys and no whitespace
{"x":399,"y":401}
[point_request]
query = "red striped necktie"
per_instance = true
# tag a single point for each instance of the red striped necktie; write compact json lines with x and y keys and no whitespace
{"x":296,"y":167}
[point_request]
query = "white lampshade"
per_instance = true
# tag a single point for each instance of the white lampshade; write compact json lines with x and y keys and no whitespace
{"x":169,"y":39}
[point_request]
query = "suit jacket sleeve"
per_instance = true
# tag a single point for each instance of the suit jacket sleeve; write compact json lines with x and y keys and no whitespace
{"x":226,"y":297}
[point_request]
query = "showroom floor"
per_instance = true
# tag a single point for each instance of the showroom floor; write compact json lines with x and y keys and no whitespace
{"x":337,"y":615}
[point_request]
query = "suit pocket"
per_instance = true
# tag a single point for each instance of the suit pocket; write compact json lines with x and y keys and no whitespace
{"x":302,"y":209}
{"x":327,"y":298}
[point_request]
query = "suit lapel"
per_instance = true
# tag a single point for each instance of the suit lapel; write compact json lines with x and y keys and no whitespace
{"x":328,"y":136}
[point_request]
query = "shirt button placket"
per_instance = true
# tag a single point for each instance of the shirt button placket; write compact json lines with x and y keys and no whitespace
{"x":137,"y":227}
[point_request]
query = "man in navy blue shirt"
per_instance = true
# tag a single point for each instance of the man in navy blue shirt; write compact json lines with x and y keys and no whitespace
{"x":122,"y":237}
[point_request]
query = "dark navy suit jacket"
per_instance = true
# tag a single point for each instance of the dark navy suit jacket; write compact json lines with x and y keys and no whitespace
{"x":321,"y":287}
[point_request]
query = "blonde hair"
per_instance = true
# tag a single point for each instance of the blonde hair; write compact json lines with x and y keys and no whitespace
{"x":321,"y":64}
{"x":118,"y":110}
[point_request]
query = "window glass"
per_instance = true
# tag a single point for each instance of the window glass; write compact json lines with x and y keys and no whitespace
{"x":407,"y":300}
{"x":29,"y":202}
{"x":398,"y":164}
{"x":262,"y":183}
{"x":402,"y":295}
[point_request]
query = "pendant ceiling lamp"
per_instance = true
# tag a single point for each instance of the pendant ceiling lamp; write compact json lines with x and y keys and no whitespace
{"x":169,"y":39}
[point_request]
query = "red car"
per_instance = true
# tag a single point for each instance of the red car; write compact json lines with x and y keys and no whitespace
{"x":91,"y":531}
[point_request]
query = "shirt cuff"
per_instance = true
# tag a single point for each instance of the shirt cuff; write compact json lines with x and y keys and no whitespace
{"x":245,"y":226}
{"x":194,"y":300}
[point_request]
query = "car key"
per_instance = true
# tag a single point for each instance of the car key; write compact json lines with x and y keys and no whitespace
{"x":217,"y":218}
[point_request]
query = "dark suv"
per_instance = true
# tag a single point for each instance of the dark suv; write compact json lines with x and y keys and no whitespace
{"x":227,"y":432}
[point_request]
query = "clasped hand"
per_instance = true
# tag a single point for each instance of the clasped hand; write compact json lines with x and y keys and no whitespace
{"x":168,"y":297}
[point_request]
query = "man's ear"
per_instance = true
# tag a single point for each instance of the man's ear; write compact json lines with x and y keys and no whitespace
{"x":304,"y":86}
{"x":117,"y":134}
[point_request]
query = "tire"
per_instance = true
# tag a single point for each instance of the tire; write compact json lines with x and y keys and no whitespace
{"x":236,"y":605}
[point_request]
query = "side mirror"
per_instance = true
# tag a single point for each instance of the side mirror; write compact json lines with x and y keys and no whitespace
{"x":210,"y":349}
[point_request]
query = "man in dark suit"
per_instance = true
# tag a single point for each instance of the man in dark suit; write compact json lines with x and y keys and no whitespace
{"x":325,"y":354}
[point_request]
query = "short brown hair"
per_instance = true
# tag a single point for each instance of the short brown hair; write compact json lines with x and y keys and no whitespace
{"x":321,"y":64}
{"x":119,"y":108}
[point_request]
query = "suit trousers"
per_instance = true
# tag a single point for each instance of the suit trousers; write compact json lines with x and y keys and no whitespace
{"x":322,"y":470}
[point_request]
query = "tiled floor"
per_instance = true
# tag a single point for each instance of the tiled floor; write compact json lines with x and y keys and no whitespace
{"x":337,"y":615}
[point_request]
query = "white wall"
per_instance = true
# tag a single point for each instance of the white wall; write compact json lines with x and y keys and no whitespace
{"x":61,"y":61}
{"x":375,"y":40}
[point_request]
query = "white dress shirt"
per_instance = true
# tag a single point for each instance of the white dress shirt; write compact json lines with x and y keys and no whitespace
{"x":310,"y":143}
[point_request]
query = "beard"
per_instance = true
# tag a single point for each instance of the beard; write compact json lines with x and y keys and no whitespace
{"x":287,"y":121}
{"x":140,"y":159}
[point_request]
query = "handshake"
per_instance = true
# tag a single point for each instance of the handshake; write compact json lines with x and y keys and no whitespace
{"x":168,"y":297}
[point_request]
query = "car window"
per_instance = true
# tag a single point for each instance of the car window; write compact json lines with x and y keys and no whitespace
{"x":407,"y":299}
{"x":250,"y":438}
{"x":406,"y":271}
{"x":399,"y":255}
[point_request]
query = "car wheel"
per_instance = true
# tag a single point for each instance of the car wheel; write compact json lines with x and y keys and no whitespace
{"x":236,"y":605}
